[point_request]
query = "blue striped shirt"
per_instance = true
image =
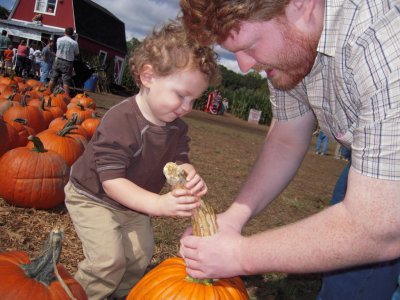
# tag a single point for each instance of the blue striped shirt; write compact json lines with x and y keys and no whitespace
{"x":354,"y":86}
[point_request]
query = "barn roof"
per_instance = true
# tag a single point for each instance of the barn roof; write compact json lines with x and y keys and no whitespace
{"x":99,"y":25}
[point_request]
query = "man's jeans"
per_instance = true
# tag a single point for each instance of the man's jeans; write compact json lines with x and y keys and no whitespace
{"x":45,"y":69}
{"x":371,"y":282}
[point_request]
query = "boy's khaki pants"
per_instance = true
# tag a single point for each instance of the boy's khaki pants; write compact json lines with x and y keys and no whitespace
{"x":118,"y":246}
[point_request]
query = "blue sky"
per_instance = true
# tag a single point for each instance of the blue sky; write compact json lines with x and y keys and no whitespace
{"x":140,"y":16}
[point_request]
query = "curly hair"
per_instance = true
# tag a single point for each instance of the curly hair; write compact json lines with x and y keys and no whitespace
{"x":169,"y":49}
{"x":211,"y":21}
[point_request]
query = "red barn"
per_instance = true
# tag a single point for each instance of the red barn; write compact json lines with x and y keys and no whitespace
{"x":98,"y":32}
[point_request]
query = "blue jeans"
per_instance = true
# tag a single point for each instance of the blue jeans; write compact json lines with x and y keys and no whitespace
{"x":369,"y":282}
{"x":45,"y":67}
{"x":322,"y":140}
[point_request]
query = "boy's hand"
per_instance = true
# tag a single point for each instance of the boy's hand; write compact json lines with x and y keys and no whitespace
{"x":178,"y":202}
{"x":195,"y":183}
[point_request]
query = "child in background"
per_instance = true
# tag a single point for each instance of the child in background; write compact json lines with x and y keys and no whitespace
{"x":8,"y":60}
{"x":114,"y":186}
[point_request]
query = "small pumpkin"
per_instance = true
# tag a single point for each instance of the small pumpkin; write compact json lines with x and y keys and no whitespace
{"x":81,"y":111}
{"x":91,"y":124}
{"x":169,"y":279}
{"x":85,"y":100}
{"x":40,"y":278}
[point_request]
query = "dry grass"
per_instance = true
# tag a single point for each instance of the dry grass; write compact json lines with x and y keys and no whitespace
{"x":223,"y":149}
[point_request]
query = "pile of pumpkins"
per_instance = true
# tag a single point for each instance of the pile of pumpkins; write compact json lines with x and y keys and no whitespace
{"x":42,"y":135}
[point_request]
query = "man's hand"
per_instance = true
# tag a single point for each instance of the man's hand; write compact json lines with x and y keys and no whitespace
{"x":216,"y":256}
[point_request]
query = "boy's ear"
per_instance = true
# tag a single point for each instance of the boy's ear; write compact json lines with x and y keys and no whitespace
{"x":147,"y":75}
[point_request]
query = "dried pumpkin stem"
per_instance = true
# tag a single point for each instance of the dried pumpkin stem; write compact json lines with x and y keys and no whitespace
{"x":44,"y":267}
{"x":204,"y":220}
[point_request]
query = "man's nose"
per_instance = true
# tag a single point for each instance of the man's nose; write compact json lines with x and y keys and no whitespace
{"x":245,"y":61}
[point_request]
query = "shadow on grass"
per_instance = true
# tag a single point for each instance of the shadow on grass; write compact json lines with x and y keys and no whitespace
{"x":282,"y":286}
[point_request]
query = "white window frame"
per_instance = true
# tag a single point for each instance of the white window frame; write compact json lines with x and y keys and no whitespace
{"x":119,"y":66}
{"x":104,"y":54}
{"x":46,"y":5}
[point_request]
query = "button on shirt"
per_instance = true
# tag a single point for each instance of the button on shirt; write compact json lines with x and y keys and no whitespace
{"x":67,"y":48}
{"x":354,"y":86}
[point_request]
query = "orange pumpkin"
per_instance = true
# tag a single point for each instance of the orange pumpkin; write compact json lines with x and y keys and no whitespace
{"x":56,"y":101}
{"x":85,"y":100}
{"x":5,"y":104}
{"x":23,"y":130}
{"x":81,"y":111}
{"x":32,"y":114}
{"x":22,"y":278}
{"x":61,"y":142}
{"x":91,"y":124}
{"x":169,"y":279}
{"x":5,"y":141}
{"x":60,"y":122}
{"x":33,"y":178}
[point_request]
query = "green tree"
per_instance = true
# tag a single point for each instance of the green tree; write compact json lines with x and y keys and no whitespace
{"x":127,"y":80}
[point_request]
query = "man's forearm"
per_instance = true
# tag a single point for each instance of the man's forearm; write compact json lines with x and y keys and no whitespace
{"x":362,"y":229}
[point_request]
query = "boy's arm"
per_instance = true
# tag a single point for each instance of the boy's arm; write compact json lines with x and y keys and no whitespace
{"x":176,"y":203}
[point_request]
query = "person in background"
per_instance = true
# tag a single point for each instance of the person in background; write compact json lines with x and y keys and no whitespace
{"x":30,"y":62}
{"x":114,"y":186}
{"x":37,"y":54}
{"x":224,"y":106}
{"x":67,"y":50}
{"x":8,"y":60}
{"x":4,"y":42}
{"x":337,"y":62}
{"x":46,"y":62}
{"x":22,"y":56}
{"x":322,"y":143}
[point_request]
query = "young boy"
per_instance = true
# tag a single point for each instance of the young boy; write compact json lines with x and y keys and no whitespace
{"x":114,"y":186}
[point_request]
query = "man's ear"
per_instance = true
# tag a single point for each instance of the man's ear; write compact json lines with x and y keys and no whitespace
{"x":147,"y":75}
{"x":302,"y":13}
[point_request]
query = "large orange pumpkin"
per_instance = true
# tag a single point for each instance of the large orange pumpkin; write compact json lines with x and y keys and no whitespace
{"x":37,"y":279}
{"x":169,"y":279}
{"x":33,"y":178}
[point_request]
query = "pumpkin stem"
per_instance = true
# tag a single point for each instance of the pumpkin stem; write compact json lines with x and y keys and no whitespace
{"x":197,"y":280}
{"x":72,"y":121}
{"x":37,"y":143}
{"x":204,"y":221}
{"x":44,"y":267}
{"x":66,"y":130}
{"x":40,"y":269}
{"x":56,"y":256}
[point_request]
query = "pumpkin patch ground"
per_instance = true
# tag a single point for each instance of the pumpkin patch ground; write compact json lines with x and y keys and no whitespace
{"x":223,"y":149}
